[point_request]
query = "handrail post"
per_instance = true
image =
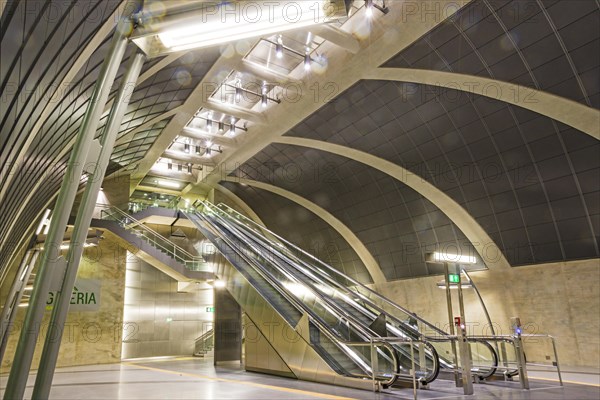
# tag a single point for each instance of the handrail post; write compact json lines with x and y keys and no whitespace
{"x":413,"y":372}
{"x":373,"y":358}
{"x":556,"y":359}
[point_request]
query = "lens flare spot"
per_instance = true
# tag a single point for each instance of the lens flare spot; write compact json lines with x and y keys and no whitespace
{"x":183,"y":77}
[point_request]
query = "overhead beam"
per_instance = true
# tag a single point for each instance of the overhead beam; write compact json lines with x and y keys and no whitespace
{"x":340,"y":38}
{"x":265,"y":74}
{"x":196,"y":100}
{"x":481,"y":241}
{"x":216,"y":139}
{"x":387,"y":38}
{"x":569,"y":112}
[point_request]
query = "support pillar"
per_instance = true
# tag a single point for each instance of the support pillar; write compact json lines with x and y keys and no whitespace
{"x":463,"y":344}
{"x":228,"y":327}
{"x":47,"y":365}
{"x":52,"y":264}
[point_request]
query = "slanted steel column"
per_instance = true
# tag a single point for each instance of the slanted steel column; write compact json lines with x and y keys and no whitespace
{"x":43,"y":381}
{"x":53,"y":265}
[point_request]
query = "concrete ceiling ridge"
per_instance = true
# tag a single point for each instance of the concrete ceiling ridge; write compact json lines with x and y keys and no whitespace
{"x":569,"y":112}
{"x":386,"y":39}
{"x":347,"y":234}
{"x":489,"y":251}
{"x":196,"y":100}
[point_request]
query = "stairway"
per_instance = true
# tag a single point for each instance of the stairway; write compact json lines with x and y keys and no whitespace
{"x":151,"y":247}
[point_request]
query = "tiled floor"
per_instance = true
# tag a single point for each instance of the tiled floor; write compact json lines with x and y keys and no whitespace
{"x":194,"y":378}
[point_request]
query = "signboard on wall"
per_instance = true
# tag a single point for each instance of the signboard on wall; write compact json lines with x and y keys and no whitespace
{"x":85,"y":296}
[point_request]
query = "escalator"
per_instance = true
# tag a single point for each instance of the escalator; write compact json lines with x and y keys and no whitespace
{"x":343,"y":315}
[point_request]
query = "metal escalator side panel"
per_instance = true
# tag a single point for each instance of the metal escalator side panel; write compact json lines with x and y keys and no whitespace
{"x":293,"y":349}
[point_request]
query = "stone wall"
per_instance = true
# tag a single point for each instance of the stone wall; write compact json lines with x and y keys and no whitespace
{"x":560,"y":299}
{"x":90,"y":337}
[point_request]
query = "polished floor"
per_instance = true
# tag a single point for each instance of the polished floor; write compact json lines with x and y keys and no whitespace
{"x":194,"y":378}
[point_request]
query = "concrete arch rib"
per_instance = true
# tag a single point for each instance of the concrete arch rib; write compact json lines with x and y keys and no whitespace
{"x":569,"y":112}
{"x":361,"y":250}
{"x":481,"y":241}
{"x":241,"y":203}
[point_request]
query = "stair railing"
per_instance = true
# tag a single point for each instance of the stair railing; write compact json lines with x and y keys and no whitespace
{"x":204,"y":343}
{"x":191,"y":262}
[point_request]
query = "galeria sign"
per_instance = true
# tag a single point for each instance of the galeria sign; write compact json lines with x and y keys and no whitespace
{"x":85,"y":296}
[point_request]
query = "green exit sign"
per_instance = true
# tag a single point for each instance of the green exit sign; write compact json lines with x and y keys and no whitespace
{"x":453,"y":278}
{"x":210,"y":309}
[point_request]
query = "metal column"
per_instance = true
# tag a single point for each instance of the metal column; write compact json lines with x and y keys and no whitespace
{"x":47,"y":365}
{"x":52,"y":264}
{"x":463,"y":344}
{"x":451,"y":322}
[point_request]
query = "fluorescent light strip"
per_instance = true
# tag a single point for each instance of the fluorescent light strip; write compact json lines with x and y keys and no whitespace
{"x":169,"y":184}
{"x":269,"y":22}
{"x":455,"y":258}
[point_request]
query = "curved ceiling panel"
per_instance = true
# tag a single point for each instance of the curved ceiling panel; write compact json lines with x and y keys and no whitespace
{"x":530,"y":182}
{"x":551,"y":45}
{"x":40,"y":41}
{"x":394,"y":222}
{"x":133,"y":151}
{"x":303,"y":228}
{"x":165,"y":90}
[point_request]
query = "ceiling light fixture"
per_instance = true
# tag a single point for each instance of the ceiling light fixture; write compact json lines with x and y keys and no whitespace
{"x":227,"y":27}
{"x":370,"y":5}
{"x":169,"y":184}
{"x":450,"y":258}
{"x":263,"y":98}
{"x":279,"y":47}
{"x":307,"y":61}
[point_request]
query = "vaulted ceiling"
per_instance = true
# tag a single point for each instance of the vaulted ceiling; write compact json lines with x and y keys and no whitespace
{"x":480,"y":170}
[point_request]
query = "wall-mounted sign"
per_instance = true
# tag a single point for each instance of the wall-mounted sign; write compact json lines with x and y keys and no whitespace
{"x":85,"y":296}
{"x":210,"y":309}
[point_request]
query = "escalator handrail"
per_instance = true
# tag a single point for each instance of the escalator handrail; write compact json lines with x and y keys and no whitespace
{"x":314,"y":318}
{"x":330,"y":268}
{"x":404,"y":326}
{"x":334,"y":283}
{"x":286,"y":260}
{"x":365,"y":332}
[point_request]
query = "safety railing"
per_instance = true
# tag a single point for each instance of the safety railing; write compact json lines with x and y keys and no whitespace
{"x":485,"y":357}
{"x":518,"y":365}
{"x":204,"y":343}
{"x":191,"y":262}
